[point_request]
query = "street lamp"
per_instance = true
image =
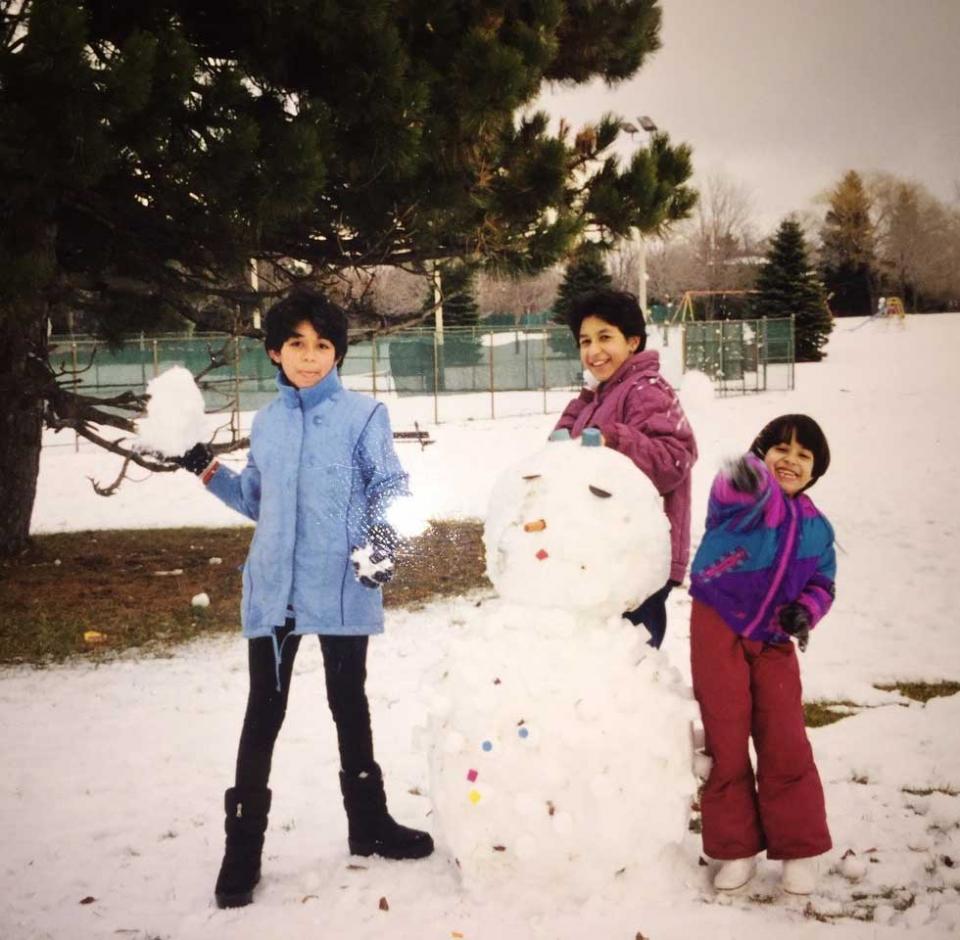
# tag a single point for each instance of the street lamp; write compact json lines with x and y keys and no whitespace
{"x":650,"y":127}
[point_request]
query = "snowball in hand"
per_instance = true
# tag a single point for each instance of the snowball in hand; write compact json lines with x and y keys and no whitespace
{"x":577,"y":527}
{"x":175,"y":420}
{"x":409,"y":516}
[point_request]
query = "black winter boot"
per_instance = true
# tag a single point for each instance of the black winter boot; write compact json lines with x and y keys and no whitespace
{"x":372,"y":830}
{"x":245,"y":825}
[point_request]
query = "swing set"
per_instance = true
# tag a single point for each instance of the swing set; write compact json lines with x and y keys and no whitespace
{"x":686,"y":312}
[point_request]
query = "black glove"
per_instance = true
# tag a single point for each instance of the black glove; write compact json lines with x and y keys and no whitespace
{"x":652,"y":613}
{"x":795,"y":620}
{"x":373,"y":563}
{"x":196,"y":460}
{"x":743,"y":476}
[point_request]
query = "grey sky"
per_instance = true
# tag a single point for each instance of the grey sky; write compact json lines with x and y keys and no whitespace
{"x":783,"y":96}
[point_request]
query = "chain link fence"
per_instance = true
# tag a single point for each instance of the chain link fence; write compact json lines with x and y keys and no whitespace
{"x":499,"y":370}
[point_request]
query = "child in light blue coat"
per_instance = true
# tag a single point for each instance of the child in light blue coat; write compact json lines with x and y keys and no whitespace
{"x":320,"y":476}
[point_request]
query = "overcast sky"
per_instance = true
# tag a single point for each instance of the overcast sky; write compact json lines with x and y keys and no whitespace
{"x":784,"y":96}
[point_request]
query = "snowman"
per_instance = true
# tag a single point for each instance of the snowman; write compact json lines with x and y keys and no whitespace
{"x":559,"y":740}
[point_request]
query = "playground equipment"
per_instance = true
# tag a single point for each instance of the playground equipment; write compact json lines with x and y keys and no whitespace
{"x":893,"y":308}
{"x":686,"y":313}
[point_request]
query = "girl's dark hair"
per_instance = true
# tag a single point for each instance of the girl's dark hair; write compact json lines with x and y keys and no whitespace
{"x":303,"y":303}
{"x":616,"y":307}
{"x":809,"y":435}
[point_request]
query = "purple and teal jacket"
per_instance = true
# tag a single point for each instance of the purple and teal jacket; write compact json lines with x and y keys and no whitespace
{"x":761,"y":551}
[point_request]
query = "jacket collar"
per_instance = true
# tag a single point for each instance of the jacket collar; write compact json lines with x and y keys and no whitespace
{"x":307,"y":398}
{"x":646,"y":362}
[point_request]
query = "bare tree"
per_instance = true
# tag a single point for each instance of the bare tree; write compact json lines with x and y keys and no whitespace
{"x":518,"y":295}
{"x":917,"y":240}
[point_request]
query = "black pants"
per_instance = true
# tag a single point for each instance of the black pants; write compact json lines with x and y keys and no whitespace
{"x":345,"y":668}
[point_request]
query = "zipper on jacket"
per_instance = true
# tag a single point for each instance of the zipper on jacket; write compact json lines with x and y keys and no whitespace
{"x":763,"y":613}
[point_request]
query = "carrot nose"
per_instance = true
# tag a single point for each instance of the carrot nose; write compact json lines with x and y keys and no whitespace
{"x":538,"y":525}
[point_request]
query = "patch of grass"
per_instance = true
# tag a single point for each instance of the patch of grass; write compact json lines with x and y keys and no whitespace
{"x":927,"y":791}
{"x":67,"y":584}
{"x":921,"y":691}
{"x":818,"y":714}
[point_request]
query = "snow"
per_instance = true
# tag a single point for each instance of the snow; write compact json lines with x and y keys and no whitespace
{"x":114,"y":770}
{"x":174,"y":421}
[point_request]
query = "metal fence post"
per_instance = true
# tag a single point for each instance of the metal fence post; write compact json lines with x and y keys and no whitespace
{"x":235,"y":417}
{"x":436,"y":380}
{"x":492,"y":410}
{"x":73,"y":382}
{"x":793,"y":349}
{"x":373,"y":361}
{"x":544,"y":357}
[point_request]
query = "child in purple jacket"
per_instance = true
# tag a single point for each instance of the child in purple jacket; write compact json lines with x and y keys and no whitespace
{"x":638,"y":413}
{"x":763,"y":573}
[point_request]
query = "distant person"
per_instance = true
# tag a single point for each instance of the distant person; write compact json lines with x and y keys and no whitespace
{"x":637,"y":413}
{"x":764,"y":572}
{"x":319,"y":478}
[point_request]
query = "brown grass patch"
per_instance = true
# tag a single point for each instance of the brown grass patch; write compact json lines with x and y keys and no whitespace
{"x":67,"y":584}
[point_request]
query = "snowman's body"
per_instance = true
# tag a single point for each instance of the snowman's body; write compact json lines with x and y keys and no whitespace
{"x":560,"y":746}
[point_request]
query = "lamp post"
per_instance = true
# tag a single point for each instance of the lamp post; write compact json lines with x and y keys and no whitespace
{"x":650,"y":127}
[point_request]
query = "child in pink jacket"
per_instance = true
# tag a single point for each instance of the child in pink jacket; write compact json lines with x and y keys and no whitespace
{"x":638,"y":413}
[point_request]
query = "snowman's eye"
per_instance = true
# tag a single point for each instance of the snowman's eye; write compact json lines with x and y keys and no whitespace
{"x":532,"y":476}
{"x":603,"y":494}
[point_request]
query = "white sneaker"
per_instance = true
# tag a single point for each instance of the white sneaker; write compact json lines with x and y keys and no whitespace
{"x":799,"y":875}
{"x":735,"y":873}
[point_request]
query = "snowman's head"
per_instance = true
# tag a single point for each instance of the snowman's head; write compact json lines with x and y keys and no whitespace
{"x":578,"y":527}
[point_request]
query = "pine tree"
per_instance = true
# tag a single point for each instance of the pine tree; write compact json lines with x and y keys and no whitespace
{"x":788,"y":286}
{"x":148,"y":151}
{"x":847,"y":252}
{"x":585,"y":272}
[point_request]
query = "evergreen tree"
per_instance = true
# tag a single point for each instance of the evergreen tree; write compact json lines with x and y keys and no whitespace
{"x":585,"y":272}
{"x":847,"y":253}
{"x":787,"y":286}
{"x":149,"y":150}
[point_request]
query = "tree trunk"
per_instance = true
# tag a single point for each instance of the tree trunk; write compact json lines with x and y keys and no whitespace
{"x":29,"y":252}
{"x":23,"y":346}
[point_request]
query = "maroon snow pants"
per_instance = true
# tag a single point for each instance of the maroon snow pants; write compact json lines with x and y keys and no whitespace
{"x":746,"y":688}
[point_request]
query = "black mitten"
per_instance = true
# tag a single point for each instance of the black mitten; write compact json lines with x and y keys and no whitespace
{"x":652,"y":613}
{"x":743,"y":476}
{"x":196,"y":460}
{"x":795,"y":620}
{"x":373,"y":563}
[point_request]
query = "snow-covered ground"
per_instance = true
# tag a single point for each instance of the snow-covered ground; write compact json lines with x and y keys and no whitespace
{"x":110,"y":803}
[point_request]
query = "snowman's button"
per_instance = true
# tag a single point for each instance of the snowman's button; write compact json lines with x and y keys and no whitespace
{"x":524,"y":732}
{"x":474,"y":796}
{"x":472,"y":775}
{"x":542,"y":554}
{"x":487,"y":746}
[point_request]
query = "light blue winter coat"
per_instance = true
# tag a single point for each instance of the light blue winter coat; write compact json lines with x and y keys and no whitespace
{"x":321,"y":470}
